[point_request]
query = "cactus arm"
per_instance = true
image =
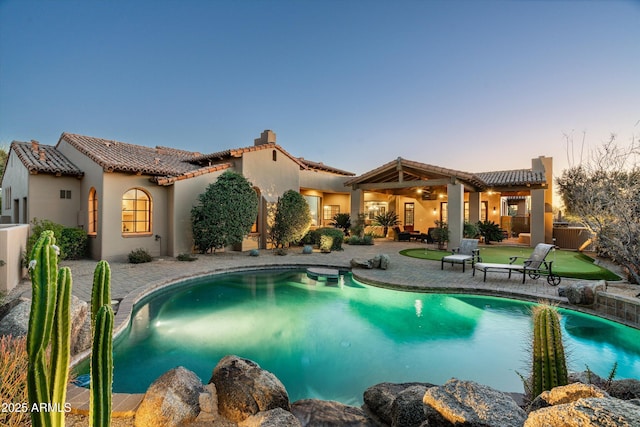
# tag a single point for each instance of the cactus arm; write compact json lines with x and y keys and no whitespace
{"x":549,"y":359}
{"x":101,"y":369}
{"x":60,"y":345}
{"x":44,"y":275}
{"x":101,"y":291}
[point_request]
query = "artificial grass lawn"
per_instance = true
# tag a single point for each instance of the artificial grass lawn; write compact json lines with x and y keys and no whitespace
{"x":565,"y":263}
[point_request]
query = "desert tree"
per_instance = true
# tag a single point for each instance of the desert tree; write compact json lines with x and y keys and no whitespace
{"x":225,"y":212}
{"x":602,"y":193}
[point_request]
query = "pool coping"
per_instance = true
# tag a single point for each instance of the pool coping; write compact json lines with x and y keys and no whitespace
{"x":125,"y":404}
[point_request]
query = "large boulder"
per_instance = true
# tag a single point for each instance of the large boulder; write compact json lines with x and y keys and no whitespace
{"x":172,"y":400}
{"x":407,"y":409}
{"x":593,"y":412}
{"x":16,"y":318}
{"x":379,"y":398}
{"x":314,"y":412}
{"x":584,"y":293}
{"x":625,"y":389}
{"x":384,"y":261}
{"x":471,"y":404}
{"x":566,"y":394}
{"x":586,"y":377}
{"x":82,"y":340}
{"x":361,"y":263}
{"x":80,"y":325}
{"x":277,"y":417}
{"x":244,"y":389}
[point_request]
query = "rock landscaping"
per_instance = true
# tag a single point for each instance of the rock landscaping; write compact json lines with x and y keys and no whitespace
{"x":240,"y":393}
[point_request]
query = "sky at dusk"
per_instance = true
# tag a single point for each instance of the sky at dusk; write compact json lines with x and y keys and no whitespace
{"x":469,"y":85}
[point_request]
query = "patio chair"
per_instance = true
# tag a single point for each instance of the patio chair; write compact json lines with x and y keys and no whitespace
{"x":401,"y":235}
{"x":468,"y":251}
{"x":534,"y":266}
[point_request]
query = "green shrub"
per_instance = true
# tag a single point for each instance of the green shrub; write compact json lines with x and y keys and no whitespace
{"x":334,"y":233}
{"x":365,"y":240}
{"x":138,"y":256}
{"x":326,"y":243}
{"x":37,"y":227}
{"x":343,"y":222}
{"x":470,"y":231}
{"x":291,"y":220}
{"x":225,"y":212}
{"x":186,"y":257}
{"x":73,"y":243}
{"x":490,"y":231}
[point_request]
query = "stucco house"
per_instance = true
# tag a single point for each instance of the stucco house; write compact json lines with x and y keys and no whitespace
{"x":130,"y":196}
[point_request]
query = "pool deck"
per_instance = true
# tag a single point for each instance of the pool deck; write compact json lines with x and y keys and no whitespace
{"x":131,"y":282}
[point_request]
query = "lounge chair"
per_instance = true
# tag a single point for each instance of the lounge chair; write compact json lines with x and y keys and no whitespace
{"x":468,"y":251}
{"x":534,"y":266}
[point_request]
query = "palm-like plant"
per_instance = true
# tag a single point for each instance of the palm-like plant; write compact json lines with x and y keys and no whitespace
{"x":343,"y":222}
{"x":386,"y":220}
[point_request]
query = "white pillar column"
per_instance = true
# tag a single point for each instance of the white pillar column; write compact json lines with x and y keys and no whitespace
{"x":357,"y":203}
{"x":455,"y":213}
{"x":474,"y":207}
{"x":537,"y":217}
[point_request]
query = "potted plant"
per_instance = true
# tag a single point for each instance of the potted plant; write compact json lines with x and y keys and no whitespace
{"x":440,"y":234}
{"x":386,"y":220}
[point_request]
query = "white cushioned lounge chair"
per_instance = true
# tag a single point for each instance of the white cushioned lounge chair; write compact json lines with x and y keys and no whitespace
{"x":534,"y":266}
{"x":468,"y":251}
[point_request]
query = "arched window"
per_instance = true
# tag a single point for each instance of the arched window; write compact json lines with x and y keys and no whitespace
{"x":92,"y":209}
{"x":274,"y":155}
{"x":136,"y":212}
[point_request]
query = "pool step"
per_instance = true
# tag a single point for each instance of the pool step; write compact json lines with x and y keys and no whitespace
{"x":318,"y":273}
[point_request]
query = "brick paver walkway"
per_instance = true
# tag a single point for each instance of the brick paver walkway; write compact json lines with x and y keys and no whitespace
{"x":132,"y":281}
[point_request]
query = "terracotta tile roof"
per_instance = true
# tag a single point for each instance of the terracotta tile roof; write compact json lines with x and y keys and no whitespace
{"x":168,"y":180}
{"x":513,"y":178}
{"x":238,"y":152}
{"x":116,"y":156}
{"x":322,"y":167}
{"x":40,"y":158}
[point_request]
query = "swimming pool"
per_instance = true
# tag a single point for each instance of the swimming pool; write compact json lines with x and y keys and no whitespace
{"x":332,"y":341}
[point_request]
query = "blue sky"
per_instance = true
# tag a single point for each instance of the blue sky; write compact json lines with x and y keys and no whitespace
{"x":469,"y":85}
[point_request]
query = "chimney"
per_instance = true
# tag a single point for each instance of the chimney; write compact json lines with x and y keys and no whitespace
{"x":266,"y":137}
{"x":35,"y":145}
{"x":42,"y":155}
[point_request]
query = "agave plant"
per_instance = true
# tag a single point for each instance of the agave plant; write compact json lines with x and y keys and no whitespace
{"x":386,"y":220}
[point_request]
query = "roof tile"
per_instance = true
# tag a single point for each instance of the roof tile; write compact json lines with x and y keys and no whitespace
{"x":40,"y":158}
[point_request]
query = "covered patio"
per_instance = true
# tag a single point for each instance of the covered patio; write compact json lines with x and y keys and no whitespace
{"x":422,"y":194}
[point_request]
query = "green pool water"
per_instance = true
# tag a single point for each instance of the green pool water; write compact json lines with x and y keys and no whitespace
{"x":333,"y":341}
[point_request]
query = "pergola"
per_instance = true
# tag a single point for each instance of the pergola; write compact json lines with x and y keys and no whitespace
{"x":402,"y":177}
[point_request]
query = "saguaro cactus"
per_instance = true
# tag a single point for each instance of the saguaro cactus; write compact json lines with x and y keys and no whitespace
{"x":49,"y":321}
{"x":102,"y":350}
{"x":549,"y":360}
